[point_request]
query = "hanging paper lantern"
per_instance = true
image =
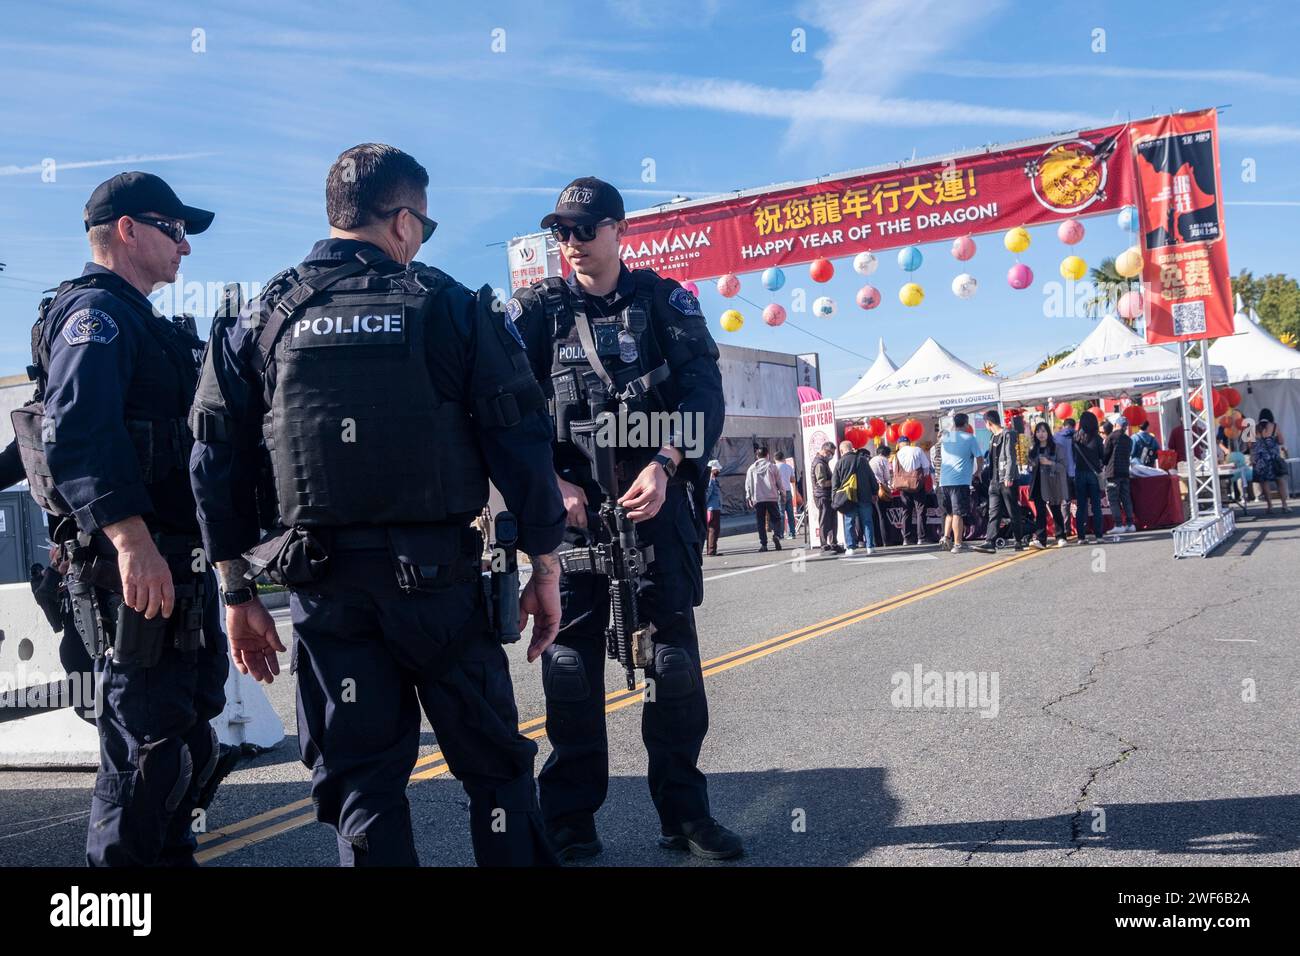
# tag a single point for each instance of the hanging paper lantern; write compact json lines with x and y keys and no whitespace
{"x":857,"y":435}
{"x":877,"y":427}
{"x":1020,"y":276}
{"x":911,"y":294}
{"x":824,"y":306}
{"x":1097,"y":412}
{"x":909,"y":258}
{"x":728,"y":286}
{"x":868,"y":297}
{"x":1129,"y":262}
{"x":1017,"y":239}
{"x":692,"y":288}
{"x":964,"y":286}
{"x":774,"y":314}
{"x":1063,"y":410}
{"x":1134,"y":415}
{"x":1070,"y":231}
{"x":732,"y":320}
{"x":912,"y":429}
{"x":1220,"y":404}
{"x":892,"y":433}
{"x":963,"y":248}
{"x":821,"y":270}
{"x":1197,"y":401}
{"x":1130,"y":305}
{"x":864,"y":263}
{"x":1072,"y":267}
{"x":1128,"y":219}
{"x":1231,"y":396}
{"x":773,"y":279}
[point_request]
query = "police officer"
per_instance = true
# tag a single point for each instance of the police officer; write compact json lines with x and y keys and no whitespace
{"x":384,"y":394}
{"x":654,"y":352}
{"x":105,"y":446}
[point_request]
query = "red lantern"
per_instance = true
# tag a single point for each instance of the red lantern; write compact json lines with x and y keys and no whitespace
{"x":857,"y":435}
{"x":1096,"y":410}
{"x":1197,"y":401}
{"x":1221,"y":404}
{"x":1231,"y":396}
{"x":892,"y":434}
{"x":1064,"y":410}
{"x":877,"y":427}
{"x":913,"y":430}
{"x":821,"y":270}
{"x":1134,"y":415}
{"x":970,"y":429}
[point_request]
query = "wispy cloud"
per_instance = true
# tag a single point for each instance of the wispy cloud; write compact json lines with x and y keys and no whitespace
{"x":116,"y":161}
{"x":981,"y":69}
{"x":1261,"y":135}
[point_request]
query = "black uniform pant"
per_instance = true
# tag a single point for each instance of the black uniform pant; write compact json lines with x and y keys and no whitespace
{"x":368,"y":658}
{"x":675,"y":713}
{"x":1004,"y":502}
{"x":157,"y":749}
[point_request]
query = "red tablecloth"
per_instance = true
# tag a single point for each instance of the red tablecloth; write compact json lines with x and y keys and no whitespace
{"x":1157,"y":503}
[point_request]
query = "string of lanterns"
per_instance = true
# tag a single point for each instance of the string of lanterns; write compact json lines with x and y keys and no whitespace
{"x":1128,"y":264}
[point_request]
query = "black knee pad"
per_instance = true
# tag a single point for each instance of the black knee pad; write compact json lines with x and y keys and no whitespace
{"x":566,"y":676}
{"x":675,"y":673}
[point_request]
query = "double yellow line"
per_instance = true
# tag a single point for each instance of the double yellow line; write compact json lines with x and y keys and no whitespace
{"x":245,"y":833}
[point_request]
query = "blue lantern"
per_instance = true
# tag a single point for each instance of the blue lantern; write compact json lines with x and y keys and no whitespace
{"x":1128,"y":219}
{"x":909,"y":258}
{"x":773,"y":279}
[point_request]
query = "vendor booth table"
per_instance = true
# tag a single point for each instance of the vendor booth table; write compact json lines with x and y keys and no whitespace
{"x":1157,"y":503}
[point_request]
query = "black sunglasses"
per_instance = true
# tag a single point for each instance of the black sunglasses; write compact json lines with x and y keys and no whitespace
{"x":174,"y":229}
{"x":584,"y":233}
{"x":428,"y":224}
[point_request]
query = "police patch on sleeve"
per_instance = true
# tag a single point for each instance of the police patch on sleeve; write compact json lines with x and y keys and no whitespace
{"x":89,"y":325}
{"x":684,"y":302}
{"x":513,"y":311}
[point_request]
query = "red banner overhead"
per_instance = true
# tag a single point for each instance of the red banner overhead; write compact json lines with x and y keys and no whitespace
{"x":1187,"y":289}
{"x":1076,"y":174}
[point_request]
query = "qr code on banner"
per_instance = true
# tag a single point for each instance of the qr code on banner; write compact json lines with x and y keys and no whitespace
{"x":1189,"y":318}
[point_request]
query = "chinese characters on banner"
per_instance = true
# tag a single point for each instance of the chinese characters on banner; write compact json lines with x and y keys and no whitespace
{"x":1186,"y":287}
{"x":1076,"y":174}
{"x":532,"y":259}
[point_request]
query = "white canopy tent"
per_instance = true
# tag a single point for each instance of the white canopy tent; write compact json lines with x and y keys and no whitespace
{"x":1266,"y":372}
{"x":880,"y":370}
{"x":1113,"y":358}
{"x":932,"y":380}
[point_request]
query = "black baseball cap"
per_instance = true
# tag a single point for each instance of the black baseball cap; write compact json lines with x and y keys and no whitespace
{"x":130,"y":194}
{"x":587,"y":201}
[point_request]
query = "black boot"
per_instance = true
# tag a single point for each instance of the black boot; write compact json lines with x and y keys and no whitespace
{"x":705,"y":838}
{"x":574,"y":838}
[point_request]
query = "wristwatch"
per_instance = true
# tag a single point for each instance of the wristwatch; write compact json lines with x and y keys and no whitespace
{"x":667,"y":464}
{"x":237,"y":597}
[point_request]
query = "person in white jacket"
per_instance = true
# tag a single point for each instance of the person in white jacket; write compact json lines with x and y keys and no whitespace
{"x":763,"y":494}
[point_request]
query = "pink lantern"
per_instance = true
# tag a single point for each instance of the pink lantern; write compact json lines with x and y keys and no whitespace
{"x":963,"y":248}
{"x":728,"y":286}
{"x":1130,"y":305}
{"x":868,"y":297}
{"x":1070,"y":231}
{"x":690,"y":286}
{"x":774,"y":314}
{"x":1020,"y":276}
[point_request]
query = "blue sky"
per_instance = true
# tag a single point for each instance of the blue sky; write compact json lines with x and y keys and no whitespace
{"x":709,"y":89}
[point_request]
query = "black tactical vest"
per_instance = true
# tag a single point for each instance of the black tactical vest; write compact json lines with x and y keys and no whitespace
{"x":357,"y":433}
{"x":630,"y":367}
{"x":162,"y":444}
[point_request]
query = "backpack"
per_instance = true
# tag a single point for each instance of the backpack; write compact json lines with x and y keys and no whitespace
{"x":845,"y":497}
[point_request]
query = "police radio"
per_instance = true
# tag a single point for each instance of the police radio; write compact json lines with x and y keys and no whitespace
{"x":503,"y":588}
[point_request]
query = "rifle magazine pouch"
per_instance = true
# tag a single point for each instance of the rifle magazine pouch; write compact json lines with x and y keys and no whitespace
{"x":139,"y":640}
{"x":292,"y":558}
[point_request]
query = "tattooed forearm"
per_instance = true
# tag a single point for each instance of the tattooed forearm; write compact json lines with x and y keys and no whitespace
{"x":233,"y":574}
{"x":546,"y":566}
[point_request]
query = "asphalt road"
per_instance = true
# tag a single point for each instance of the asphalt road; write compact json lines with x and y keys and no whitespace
{"x":1145,"y":713}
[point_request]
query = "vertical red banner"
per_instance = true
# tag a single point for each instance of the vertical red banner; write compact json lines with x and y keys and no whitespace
{"x":1186,"y":285}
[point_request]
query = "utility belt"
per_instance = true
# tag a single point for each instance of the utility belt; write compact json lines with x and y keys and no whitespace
{"x":103,"y":619}
{"x":426,"y":558}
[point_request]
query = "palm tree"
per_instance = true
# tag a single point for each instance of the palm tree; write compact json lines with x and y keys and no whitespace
{"x":1110,"y":285}
{"x":1055,"y":357}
